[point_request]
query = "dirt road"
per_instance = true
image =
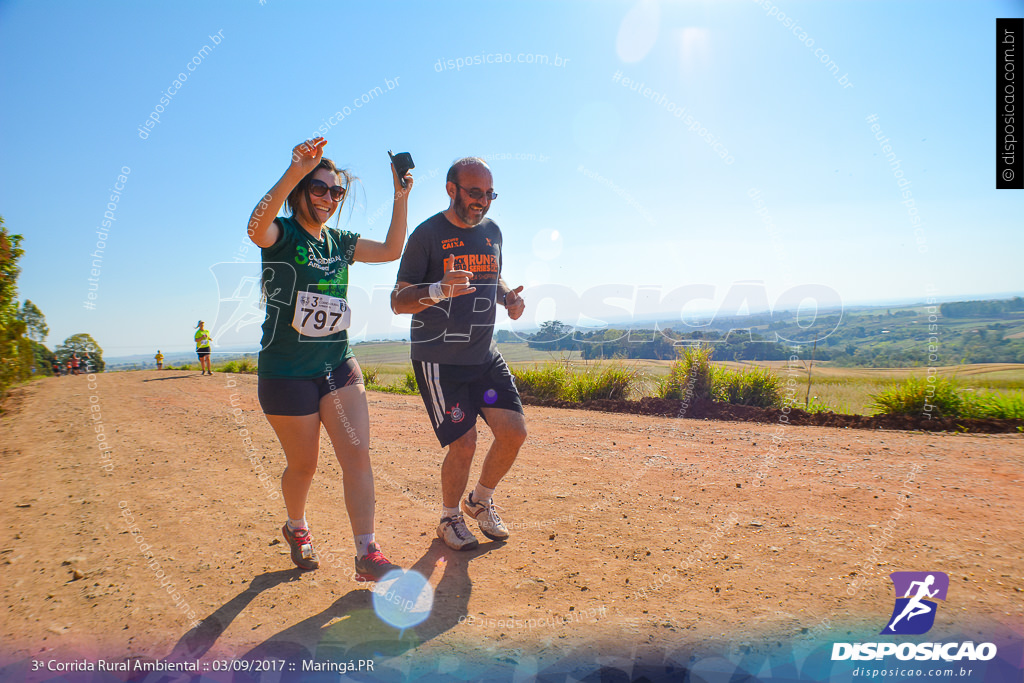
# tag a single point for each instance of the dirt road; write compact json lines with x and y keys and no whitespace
{"x":628,"y":532}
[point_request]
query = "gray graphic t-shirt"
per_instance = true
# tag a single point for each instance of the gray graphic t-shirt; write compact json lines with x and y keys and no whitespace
{"x":455,"y":331}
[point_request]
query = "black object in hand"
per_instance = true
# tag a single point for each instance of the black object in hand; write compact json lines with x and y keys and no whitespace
{"x":403,"y":163}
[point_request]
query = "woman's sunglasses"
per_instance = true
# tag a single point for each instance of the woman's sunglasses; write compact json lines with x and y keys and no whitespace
{"x":319,"y":188}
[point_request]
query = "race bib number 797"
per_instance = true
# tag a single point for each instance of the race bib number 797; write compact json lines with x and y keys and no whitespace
{"x":318,"y":315}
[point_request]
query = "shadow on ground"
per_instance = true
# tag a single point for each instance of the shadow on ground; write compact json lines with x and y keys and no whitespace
{"x":348,"y":629}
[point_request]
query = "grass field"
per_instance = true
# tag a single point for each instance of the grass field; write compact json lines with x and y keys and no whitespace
{"x":843,"y":390}
{"x":840,"y":389}
{"x":391,"y":359}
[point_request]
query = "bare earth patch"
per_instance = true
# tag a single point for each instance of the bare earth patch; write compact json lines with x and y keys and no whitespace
{"x":602,"y":506}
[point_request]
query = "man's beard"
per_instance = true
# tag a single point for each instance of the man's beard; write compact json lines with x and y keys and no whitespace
{"x":466,"y":216}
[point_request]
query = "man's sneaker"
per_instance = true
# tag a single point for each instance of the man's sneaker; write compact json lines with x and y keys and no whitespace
{"x":373,"y":566}
{"x":303,"y":553}
{"x":452,"y":530}
{"x":484,"y":513}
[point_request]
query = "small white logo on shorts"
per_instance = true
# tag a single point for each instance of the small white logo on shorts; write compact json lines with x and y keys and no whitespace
{"x":456,"y":413}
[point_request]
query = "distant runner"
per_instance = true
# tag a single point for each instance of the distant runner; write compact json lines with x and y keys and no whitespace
{"x":159,"y":358}
{"x":308,"y":375}
{"x":458,"y":368}
{"x":203,"y":348}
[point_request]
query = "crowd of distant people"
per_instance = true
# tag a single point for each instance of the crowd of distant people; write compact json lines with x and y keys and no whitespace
{"x":74,"y":365}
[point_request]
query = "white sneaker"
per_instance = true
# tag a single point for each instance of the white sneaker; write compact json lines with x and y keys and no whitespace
{"x":491,"y":525}
{"x":453,"y":531}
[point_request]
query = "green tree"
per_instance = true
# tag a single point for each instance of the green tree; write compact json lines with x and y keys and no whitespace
{"x":86,"y":348}
{"x":35,"y":322}
{"x":552,"y":330}
{"x":15,"y":349}
{"x":553,"y":336}
{"x":44,"y":358}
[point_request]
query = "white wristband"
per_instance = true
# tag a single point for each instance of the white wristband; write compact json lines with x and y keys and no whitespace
{"x":436,"y":292}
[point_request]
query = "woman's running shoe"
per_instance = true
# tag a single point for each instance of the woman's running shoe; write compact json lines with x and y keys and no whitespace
{"x":373,"y":565}
{"x":303,"y":553}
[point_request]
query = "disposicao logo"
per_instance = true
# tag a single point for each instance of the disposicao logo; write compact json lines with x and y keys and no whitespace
{"x":914,"y":614}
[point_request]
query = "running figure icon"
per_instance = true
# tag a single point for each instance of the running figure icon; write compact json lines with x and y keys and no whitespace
{"x":915,"y":607}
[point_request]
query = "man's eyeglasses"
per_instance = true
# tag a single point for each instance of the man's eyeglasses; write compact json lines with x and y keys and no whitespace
{"x":319,"y":188}
{"x":477,"y":194}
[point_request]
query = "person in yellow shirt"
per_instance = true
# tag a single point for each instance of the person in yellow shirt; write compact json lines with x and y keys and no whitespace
{"x":159,"y":357}
{"x":203,"y":342}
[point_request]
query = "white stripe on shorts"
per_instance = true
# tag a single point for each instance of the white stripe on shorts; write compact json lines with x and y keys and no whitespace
{"x":431,"y":373}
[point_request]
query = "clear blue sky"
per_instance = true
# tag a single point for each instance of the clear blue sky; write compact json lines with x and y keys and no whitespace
{"x":653,"y":206}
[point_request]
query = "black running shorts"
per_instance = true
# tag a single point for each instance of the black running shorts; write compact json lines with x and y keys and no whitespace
{"x":302,"y":396}
{"x":454,"y":394}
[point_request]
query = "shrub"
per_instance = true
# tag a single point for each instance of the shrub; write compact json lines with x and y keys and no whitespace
{"x":748,"y":387}
{"x":558,"y":381}
{"x":542,"y":382}
{"x":247,"y":365}
{"x":692,"y":376}
{"x":910,"y":396}
{"x":406,"y":385}
{"x":410,"y":384}
{"x":993,"y":406}
{"x":612,"y":383}
{"x":691,"y":373}
{"x":946,"y":398}
{"x":371,"y":376}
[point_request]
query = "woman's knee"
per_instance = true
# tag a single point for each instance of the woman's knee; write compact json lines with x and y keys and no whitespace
{"x":353,"y":457}
{"x":302,"y":470}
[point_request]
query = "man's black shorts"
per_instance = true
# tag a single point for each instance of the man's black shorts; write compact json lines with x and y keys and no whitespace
{"x":454,"y":394}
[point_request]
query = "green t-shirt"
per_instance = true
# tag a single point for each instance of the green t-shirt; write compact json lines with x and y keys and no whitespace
{"x":296,"y":264}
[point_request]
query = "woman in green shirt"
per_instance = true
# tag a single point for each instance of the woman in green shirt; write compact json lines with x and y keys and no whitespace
{"x":307,"y":373}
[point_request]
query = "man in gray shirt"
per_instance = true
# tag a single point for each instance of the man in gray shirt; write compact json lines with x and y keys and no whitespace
{"x":450,"y":280}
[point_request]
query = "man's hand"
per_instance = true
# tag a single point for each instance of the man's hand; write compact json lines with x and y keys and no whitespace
{"x":455,"y":282}
{"x":514,"y":303}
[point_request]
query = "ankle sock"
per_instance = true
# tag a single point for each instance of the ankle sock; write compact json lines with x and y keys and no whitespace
{"x":363,"y":543}
{"x":482,"y":494}
{"x":295,"y":524}
{"x":449,"y":512}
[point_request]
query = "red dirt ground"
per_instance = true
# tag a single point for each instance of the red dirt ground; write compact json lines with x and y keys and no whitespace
{"x":601,"y":504}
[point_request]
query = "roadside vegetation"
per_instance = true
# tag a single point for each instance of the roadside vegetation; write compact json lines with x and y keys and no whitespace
{"x":374,"y":380}
{"x":946,"y":397}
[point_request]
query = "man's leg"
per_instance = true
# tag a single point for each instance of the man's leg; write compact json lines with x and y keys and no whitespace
{"x":509,"y":429}
{"x":455,"y":469}
{"x":454,"y":477}
{"x":445,"y":395}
